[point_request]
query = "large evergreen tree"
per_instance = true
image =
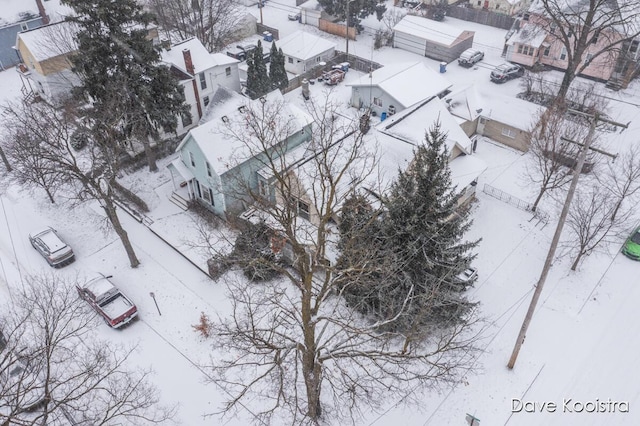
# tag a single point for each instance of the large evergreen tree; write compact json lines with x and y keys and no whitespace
{"x":418,"y":238}
{"x":258,"y":82}
{"x":117,"y":55}
{"x":277,"y":73}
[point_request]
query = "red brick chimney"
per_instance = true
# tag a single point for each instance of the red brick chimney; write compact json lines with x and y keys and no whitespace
{"x":188,"y":63}
{"x":42,"y":12}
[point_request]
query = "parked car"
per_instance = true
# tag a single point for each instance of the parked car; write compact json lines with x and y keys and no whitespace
{"x":49,"y":244}
{"x":294,"y":16}
{"x":505,"y":72}
{"x":110,"y":303}
{"x":631,"y":247}
{"x":470,"y":57}
{"x":333,"y":77}
{"x":466,"y":277}
{"x":22,"y":385}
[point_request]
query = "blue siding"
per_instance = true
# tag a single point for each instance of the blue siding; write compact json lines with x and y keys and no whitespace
{"x":8,"y":35}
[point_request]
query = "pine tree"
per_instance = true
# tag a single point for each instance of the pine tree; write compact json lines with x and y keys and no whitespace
{"x":258,"y":82}
{"x":277,"y":73}
{"x":118,"y":56}
{"x":357,"y":10}
{"x":418,"y":244}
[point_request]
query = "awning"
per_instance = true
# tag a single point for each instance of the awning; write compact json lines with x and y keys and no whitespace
{"x":182,"y":170}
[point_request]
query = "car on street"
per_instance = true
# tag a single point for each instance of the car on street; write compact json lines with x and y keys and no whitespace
{"x":22,"y":386}
{"x":108,"y":301}
{"x":505,"y":72}
{"x":293,"y":16}
{"x":53,"y":248}
{"x":631,"y":247}
{"x":470,"y":57}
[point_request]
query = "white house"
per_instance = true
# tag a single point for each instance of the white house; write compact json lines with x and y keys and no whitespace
{"x":304,"y":51}
{"x":200,"y":73}
{"x":397,"y":86}
{"x":433,"y":39}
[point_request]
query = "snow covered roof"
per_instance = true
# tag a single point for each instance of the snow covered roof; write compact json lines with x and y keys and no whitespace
{"x":311,"y":4}
{"x":14,"y":10}
{"x":51,"y":40}
{"x":465,"y":169}
{"x":200,"y":57}
{"x":431,"y":30}
{"x":303,"y":45}
{"x":394,"y":79}
{"x":464,"y":103}
{"x":512,"y":111}
{"x":223,"y":152}
{"x":530,"y":35}
{"x":412,"y":124}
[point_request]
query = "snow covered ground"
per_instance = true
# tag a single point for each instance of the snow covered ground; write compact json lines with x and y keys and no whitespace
{"x":582,"y":345}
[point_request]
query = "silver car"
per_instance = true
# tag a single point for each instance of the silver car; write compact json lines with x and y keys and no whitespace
{"x":55,"y":251}
{"x":470,"y":57}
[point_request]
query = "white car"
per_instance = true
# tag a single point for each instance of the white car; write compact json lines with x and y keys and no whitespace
{"x":470,"y":57}
{"x":49,"y":244}
{"x":22,"y":387}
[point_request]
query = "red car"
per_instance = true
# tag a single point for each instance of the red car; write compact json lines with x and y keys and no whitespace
{"x":105,"y":298}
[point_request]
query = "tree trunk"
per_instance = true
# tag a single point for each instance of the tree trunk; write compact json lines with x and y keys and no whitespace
{"x":110,"y":210}
{"x":577,"y":261}
{"x":616,"y":209}
{"x":150,"y":154}
{"x":538,"y":198}
{"x":50,"y":195}
{"x":569,"y":76}
{"x":310,"y":366}
{"x":5,"y":160}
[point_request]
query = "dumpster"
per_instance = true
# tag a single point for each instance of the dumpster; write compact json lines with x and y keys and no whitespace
{"x":443,"y":67}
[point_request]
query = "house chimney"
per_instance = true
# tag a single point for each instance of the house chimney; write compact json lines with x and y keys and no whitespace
{"x":42,"y":12}
{"x":166,"y":44}
{"x":188,"y":63}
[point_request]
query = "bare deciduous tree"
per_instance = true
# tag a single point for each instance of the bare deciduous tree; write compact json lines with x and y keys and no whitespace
{"x":63,"y":368}
{"x":592,"y":31}
{"x":551,"y":157}
{"x":89,"y":174}
{"x":213,"y":22}
{"x":293,"y":343}
{"x":591,"y":221}
{"x":623,"y":178}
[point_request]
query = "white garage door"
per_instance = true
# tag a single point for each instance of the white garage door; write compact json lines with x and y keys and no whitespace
{"x":409,"y":42}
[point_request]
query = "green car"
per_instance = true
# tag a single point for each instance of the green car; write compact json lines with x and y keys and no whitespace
{"x":631,"y":247}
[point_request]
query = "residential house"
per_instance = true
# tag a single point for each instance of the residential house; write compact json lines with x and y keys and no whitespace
{"x":386,"y":90}
{"x":200,"y":73}
{"x":217,"y":169}
{"x":507,"y":7}
{"x":533,"y":40}
{"x":435,"y":40}
{"x":507,"y":120}
{"x":466,"y":106}
{"x":45,"y":68}
{"x":304,"y":51}
{"x":18,"y":15}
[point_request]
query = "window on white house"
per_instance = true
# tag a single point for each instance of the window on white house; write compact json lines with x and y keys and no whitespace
{"x":318,"y":59}
{"x":563,"y":53}
{"x":263,"y":187}
{"x":206,"y":194}
{"x":510,"y":133}
{"x":186,"y":120}
{"x":205,"y":100}
{"x":227,"y":71}
{"x":303,"y":210}
{"x":203,"y":81}
{"x":290,"y":60}
{"x":377,"y":102}
{"x":192,"y":159}
{"x":208,"y":169}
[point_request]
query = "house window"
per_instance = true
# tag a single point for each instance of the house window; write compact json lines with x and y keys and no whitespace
{"x":203,"y":81}
{"x":290,"y":60}
{"x":633,"y":48}
{"x":563,"y":53}
{"x":303,"y":210}
{"x":205,"y":100}
{"x":186,"y":120}
{"x":526,"y":50}
{"x":24,"y":26}
{"x":546,"y":50}
{"x":377,"y":102}
{"x":594,"y":40}
{"x":552,"y":28}
{"x":525,"y":17}
{"x":263,"y":187}
{"x":479,"y":2}
{"x":588,"y":58}
{"x":206,"y":194}
{"x":208,"y":169}
{"x":227,"y":71}
{"x":510,"y":133}
{"x":192,"y":159}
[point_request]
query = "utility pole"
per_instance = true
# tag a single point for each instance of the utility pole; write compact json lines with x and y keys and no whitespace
{"x":261,"y":6}
{"x":347,"y":49}
{"x":594,"y":119}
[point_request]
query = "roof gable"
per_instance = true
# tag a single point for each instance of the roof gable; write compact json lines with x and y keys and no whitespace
{"x":303,"y":45}
{"x":49,"y":41}
{"x":201,"y":59}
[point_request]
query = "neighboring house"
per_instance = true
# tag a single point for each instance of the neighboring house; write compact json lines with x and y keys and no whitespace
{"x":466,"y":105}
{"x":311,"y":12}
{"x":18,"y":15}
{"x":216,"y":169}
{"x":530,"y":43}
{"x":507,"y":120}
{"x":45,"y":68}
{"x":435,"y":40}
{"x":386,"y":90}
{"x":200,"y":73}
{"x":304,"y":51}
{"x":398,"y":136}
{"x":508,"y":7}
